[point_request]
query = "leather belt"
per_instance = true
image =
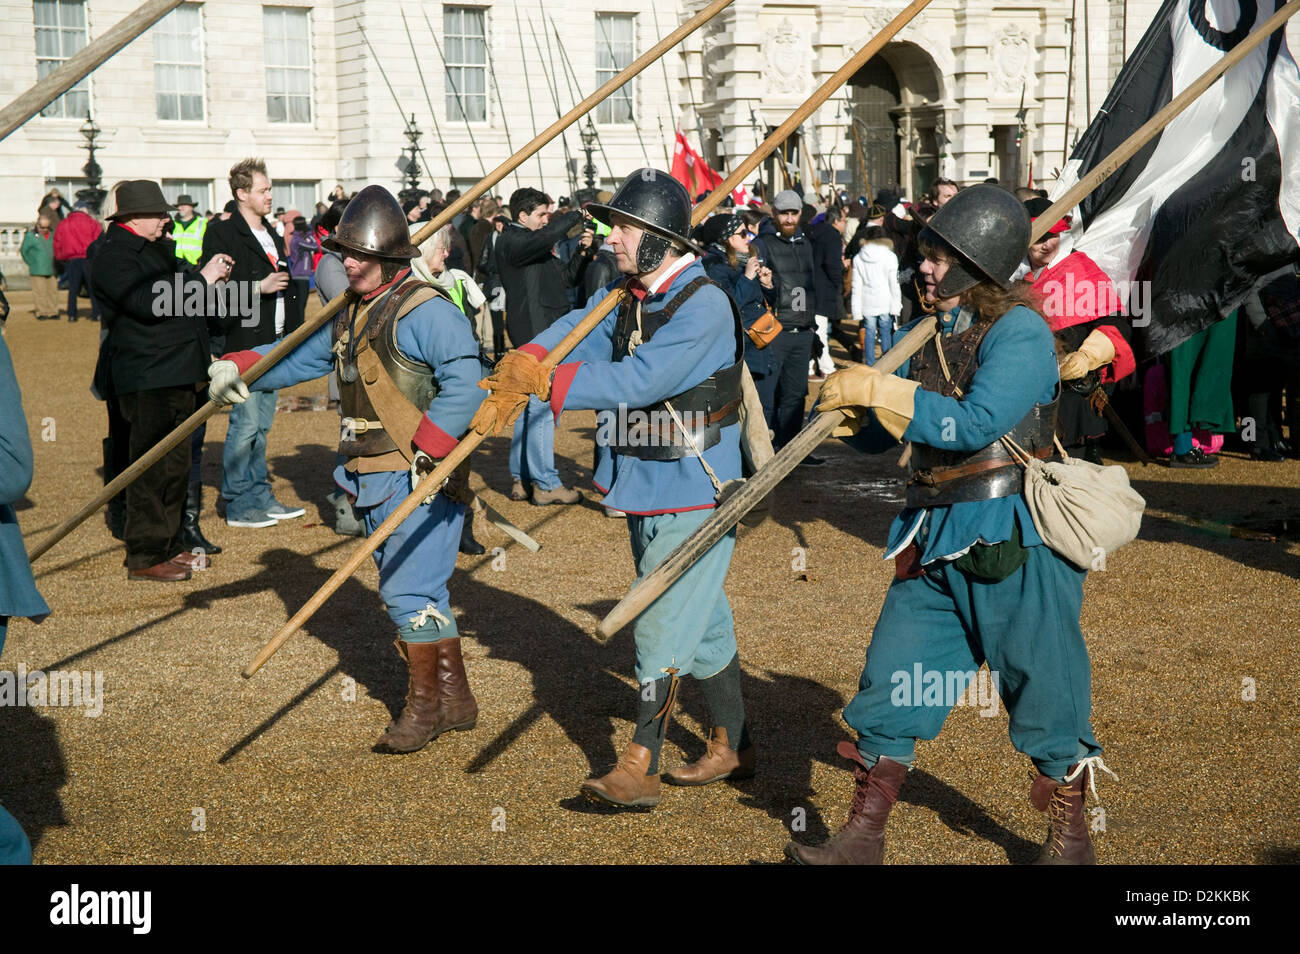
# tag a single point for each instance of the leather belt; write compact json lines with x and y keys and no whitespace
{"x":940,"y":475}
{"x":669,"y":433}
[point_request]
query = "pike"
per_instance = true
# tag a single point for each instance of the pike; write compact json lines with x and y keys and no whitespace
{"x":436,"y":477}
{"x":454,"y":89}
{"x":532,"y":116}
{"x":548,"y":75}
{"x":651,"y":586}
{"x":575,"y":90}
{"x":428,"y":166}
{"x":309,"y":327}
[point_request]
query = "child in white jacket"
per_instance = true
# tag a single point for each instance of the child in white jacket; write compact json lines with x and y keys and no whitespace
{"x":875,"y":299}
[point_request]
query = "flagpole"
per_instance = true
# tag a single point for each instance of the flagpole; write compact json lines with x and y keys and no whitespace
{"x":1069,"y":87}
{"x":1143,"y":134}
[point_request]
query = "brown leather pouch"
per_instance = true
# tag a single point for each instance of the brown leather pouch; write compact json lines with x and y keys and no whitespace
{"x":763,"y":330}
{"x":907,"y":563}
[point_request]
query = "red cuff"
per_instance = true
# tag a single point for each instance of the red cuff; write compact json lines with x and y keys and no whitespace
{"x":560,"y":385}
{"x":536,"y":350}
{"x":433,"y":440}
{"x":1123,"y":363}
{"x":243,"y":359}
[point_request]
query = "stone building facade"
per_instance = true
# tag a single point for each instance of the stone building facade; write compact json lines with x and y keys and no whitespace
{"x":323,"y":91}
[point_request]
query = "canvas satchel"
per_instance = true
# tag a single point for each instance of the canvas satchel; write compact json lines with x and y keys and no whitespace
{"x":1081,"y":510}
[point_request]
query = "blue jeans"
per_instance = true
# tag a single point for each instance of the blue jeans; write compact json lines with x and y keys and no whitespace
{"x":532,"y":447}
{"x":872,"y":324}
{"x":77,"y":271}
{"x":245,"y":480}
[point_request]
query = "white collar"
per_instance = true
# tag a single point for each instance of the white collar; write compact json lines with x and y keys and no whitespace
{"x":667,"y":277}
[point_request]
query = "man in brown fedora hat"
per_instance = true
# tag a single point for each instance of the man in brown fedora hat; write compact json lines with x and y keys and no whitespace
{"x":156,"y":362}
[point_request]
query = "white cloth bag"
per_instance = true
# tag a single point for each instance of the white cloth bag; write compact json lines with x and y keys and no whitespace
{"x":1081,"y":510}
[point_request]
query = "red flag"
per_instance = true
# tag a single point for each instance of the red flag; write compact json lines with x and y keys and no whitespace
{"x":691,"y":170}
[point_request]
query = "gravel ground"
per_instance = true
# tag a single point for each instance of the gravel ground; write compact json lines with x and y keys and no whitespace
{"x":189,"y":762}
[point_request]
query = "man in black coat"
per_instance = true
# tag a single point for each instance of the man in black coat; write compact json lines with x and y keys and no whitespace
{"x":536,"y":284}
{"x":788,"y":254}
{"x":154,"y":307}
{"x":261,"y":276}
{"x":827,"y":238}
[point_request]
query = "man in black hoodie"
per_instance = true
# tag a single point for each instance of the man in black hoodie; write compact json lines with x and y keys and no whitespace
{"x":536,"y":284}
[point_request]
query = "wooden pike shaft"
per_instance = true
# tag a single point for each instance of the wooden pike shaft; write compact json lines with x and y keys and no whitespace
{"x":435,"y":478}
{"x":728,"y":514}
{"x":308,"y":328}
{"x":85,"y":61}
{"x":653,"y":585}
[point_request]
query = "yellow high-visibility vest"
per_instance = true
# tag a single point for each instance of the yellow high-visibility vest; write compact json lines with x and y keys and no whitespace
{"x":189,"y":239}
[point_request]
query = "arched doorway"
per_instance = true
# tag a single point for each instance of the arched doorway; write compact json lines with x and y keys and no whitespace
{"x":899,"y":121}
{"x":874,"y":130}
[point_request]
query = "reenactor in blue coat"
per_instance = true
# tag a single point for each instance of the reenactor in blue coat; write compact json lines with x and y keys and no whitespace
{"x":973,"y":579}
{"x":666,"y":365}
{"x":18,"y":593}
{"x":408,"y":369}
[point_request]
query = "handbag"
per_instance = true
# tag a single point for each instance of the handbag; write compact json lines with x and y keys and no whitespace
{"x":1081,"y":510}
{"x":764,"y":329}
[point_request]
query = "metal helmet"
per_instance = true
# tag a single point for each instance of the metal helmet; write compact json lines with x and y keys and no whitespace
{"x":657,"y":203}
{"x":988,"y":228}
{"x":373,"y":224}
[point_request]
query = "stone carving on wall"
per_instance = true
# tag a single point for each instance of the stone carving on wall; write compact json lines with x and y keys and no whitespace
{"x":787,"y":51}
{"x":1009,"y":54}
{"x":711,"y":49}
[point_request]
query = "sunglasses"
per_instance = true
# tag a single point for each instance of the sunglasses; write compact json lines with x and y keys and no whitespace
{"x":747,"y":235}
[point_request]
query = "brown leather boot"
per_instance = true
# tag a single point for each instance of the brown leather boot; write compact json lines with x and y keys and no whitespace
{"x":457,"y":707}
{"x":1067,"y":836}
{"x":437,"y":697}
{"x":719,"y":761}
{"x":861,"y":841}
{"x":627,"y":785}
{"x":164,"y":572}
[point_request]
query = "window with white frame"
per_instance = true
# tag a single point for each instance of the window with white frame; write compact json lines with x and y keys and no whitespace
{"x":464,"y":31}
{"x":61,"y":32}
{"x":198,"y":190}
{"x":295,"y":194}
{"x":178,"y":64}
{"x":287,"y":40}
{"x":615,"y":50}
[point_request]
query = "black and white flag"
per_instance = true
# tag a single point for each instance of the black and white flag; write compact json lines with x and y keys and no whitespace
{"x":1212,"y":203}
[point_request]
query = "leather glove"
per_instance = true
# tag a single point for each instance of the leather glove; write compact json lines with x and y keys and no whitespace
{"x":1097,"y":351}
{"x":498,"y":411}
{"x":520,"y":372}
{"x":854,"y":389}
{"x":227,"y":386}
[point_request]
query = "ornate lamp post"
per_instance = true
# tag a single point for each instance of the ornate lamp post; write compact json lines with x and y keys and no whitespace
{"x":408,"y":165}
{"x":588,"y":135}
{"x":92,"y":195}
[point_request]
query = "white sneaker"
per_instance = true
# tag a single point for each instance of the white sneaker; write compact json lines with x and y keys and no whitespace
{"x":278,"y":511}
{"x":254,"y":520}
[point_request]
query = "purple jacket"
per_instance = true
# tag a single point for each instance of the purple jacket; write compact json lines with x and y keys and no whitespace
{"x":301,"y":249}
